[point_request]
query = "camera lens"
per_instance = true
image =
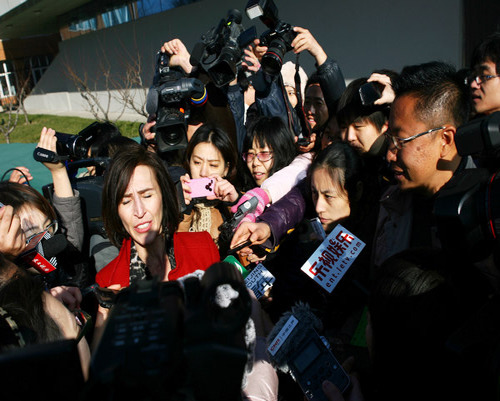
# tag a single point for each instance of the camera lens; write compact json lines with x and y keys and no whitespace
{"x":272,"y":61}
{"x":73,"y":146}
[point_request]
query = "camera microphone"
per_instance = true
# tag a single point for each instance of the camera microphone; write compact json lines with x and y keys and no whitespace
{"x":152,"y":101}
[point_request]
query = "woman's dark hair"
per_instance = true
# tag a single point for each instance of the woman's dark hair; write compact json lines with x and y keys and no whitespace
{"x":19,"y":196}
{"x":221,"y":140}
{"x":116,"y":181}
{"x":114,"y":145}
{"x":21,"y":296}
{"x":344,"y":166}
{"x":274,"y":133}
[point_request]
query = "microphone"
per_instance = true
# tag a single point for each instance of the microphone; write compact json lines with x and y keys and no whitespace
{"x":197,"y":54}
{"x":41,"y":253}
{"x":53,"y":246}
{"x":295,"y":348}
{"x":246,"y":207}
{"x":152,"y":101}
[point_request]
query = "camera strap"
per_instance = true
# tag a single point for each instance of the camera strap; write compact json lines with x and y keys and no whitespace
{"x":45,"y":155}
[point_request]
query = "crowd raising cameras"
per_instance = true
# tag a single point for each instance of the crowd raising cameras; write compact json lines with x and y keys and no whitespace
{"x":268,"y":196}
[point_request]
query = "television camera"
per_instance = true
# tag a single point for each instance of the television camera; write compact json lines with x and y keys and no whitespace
{"x":467,"y":208}
{"x":170,"y":98}
{"x":220,"y":50}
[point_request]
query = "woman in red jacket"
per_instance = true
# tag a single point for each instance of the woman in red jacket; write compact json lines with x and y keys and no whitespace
{"x":141,"y":215}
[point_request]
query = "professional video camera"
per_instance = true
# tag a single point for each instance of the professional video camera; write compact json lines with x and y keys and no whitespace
{"x":220,"y":50}
{"x":170,"y":99}
{"x":278,"y":38}
{"x":467,"y":208}
{"x":175,"y":340}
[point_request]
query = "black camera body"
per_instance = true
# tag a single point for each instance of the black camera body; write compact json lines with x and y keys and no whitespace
{"x":68,"y":147}
{"x":467,"y":208}
{"x":170,"y":99}
{"x":278,"y":38}
{"x":220,"y":50}
{"x":164,"y":340}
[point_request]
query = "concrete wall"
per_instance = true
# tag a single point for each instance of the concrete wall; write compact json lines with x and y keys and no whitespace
{"x":362,"y":35}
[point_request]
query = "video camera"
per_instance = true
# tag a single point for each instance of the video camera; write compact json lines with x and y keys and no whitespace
{"x":175,"y":340}
{"x":278,"y":38}
{"x":170,"y":99}
{"x":68,"y":147}
{"x":220,"y":50}
{"x":467,"y":208}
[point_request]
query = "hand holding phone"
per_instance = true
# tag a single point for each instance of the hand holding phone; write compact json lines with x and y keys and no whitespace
{"x":370,"y":92}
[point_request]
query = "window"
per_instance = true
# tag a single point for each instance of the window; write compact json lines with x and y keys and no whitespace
{"x":116,"y":16}
{"x":84,"y":25}
{"x":38,"y":65}
{"x":7,"y":87}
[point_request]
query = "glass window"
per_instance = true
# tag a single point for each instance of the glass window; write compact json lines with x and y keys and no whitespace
{"x":116,"y":16}
{"x":84,"y":25}
{"x":7,"y":87}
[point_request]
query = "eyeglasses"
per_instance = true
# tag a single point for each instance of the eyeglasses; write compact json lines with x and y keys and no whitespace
{"x":399,"y":142}
{"x":480,"y":78}
{"x":83,"y":321}
{"x":261,"y":156}
{"x":51,"y":229}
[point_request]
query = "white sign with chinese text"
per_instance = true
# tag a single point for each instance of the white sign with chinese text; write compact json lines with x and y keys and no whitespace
{"x":328,"y":264}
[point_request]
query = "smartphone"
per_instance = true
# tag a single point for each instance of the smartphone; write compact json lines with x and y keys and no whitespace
{"x":202,"y":187}
{"x":369,"y":93}
{"x":303,"y":141}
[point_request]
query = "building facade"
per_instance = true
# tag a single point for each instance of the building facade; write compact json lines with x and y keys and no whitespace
{"x":97,"y":44}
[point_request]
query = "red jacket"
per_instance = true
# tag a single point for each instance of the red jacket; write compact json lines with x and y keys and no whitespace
{"x":192,"y":251}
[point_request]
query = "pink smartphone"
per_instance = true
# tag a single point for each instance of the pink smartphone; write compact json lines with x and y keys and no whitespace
{"x":201,"y":187}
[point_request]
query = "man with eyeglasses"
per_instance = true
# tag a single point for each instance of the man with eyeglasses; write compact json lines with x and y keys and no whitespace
{"x":430,"y":104}
{"x":484,"y":80}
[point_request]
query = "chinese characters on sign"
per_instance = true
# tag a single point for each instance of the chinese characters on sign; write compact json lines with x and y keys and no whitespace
{"x":332,"y":259}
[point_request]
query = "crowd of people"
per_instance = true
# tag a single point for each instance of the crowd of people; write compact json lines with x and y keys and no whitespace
{"x":406,"y":320}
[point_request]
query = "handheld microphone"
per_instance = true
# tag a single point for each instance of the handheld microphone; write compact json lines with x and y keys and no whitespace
{"x":295,"y":348}
{"x":246,"y":207}
{"x":41,"y":253}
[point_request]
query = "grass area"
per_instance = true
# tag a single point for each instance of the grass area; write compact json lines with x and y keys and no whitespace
{"x":30,"y":133}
